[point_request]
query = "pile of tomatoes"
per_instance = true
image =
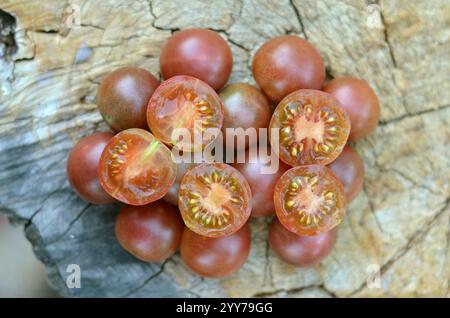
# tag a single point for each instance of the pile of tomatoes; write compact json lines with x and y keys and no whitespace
{"x":203,"y":209}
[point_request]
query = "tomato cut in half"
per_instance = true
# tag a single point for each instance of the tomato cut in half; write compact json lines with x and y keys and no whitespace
{"x":214,"y":199}
{"x":309,"y":200}
{"x":136,"y":168}
{"x":190,"y":104}
{"x":313,"y":128}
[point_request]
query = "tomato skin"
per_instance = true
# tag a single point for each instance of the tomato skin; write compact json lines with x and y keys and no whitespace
{"x":82,"y":166}
{"x":215,"y":257}
{"x":123,"y":96}
{"x":349,"y":168}
{"x":262,"y":185}
{"x":152,"y":233}
{"x":172,"y":195}
{"x":309,"y":200}
{"x":244,"y":107}
{"x":182,"y":102}
{"x":136,"y":168}
{"x":285,"y":64}
{"x":360,"y":102}
{"x":297,"y":250}
{"x":200,"y":53}
{"x":214,"y":199}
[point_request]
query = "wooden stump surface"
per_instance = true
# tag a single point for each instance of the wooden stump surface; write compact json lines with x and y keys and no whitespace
{"x":54,"y":53}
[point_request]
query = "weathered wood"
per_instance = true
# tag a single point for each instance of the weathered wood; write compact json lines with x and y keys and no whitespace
{"x":49,"y":74}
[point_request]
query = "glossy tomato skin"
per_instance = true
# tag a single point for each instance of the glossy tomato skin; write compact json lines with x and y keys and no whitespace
{"x":349,"y":168}
{"x":184,"y":102}
{"x":136,"y":168}
{"x":82,"y":167}
{"x":300,"y":250}
{"x":312,"y":128}
{"x":123,"y":96}
{"x":214,"y":199}
{"x":309,"y":200}
{"x":200,"y":53}
{"x":215,"y":257}
{"x":245,"y":107}
{"x":261,"y":184}
{"x":360,"y":102}
{"x":285,"y":64}
{"x":152,"y":233}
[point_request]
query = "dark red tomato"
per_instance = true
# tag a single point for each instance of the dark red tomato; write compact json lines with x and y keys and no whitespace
{"x":214,"y":199}
{"x":151,"y":232}
{"x":184,"y":102}
{"x":261,"y":183}
{"x":215,"y":257}
{"x":309,"y":200}
{"x":359,"y":101}
{"x":172,"y":195}
{"x":300,"y":250}
{"x":349,"y":168}
{"x":200,"y":53}
{"x":313,"y":128}
{"x":82,"y":168}
{"x":123,"y":96}
{"x":136,"y":168}
{"x":285,"y":64}
{"x":245,"y":107}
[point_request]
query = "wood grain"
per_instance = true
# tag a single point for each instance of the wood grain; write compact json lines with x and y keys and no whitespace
{"x":49,"y":72}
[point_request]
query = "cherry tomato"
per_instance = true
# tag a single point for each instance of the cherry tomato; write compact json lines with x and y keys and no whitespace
{"x":123,"y":96}
{"x":136,"y":168}
{"x":309,"y":200}
{"x":151,"y":232}
{"x":214,"y":199}
{"x":215,"y":257}
{"x":200,"y":53}
{"x":300,"y":250}
{"x":285,"y":64}
{"x":245,"y":107}
{"x":349,"y":168}
{"x":184,"y":102}
{"x":313,"y":128}
{"x":261,"y":184}
{"x":359,"y":101}
{"x":82,"y":167}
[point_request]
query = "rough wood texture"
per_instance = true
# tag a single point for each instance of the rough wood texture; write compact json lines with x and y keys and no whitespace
{"x":49,"y":74}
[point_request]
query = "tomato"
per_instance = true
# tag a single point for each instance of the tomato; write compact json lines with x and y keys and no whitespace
{"x":245,"y":107}
{"x":200,"y":53}
{"x":214,"y":199}
{"x":309,"y":200}
{"x":285,"y":64}
{"x":300,"y":250}
{"x":215,"y":257}
{"x":261,"y":184}
{"x":151,"y":232}
{"x":82,"y":167}
{"x":184,"y":102}
{"x":123,"y":96}
{"x":313,"y":128}
{"x":136,"y":168}
{"x":349,"y":168}
{"x":359,"y":101}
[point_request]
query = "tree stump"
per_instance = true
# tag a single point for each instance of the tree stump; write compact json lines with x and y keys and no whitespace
{"x":395,"y":238}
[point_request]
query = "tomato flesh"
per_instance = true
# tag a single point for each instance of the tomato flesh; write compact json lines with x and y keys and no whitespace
{"x":214,"y":199}
{"x":309,"y":200}
{"x":184,"y":102}
{"x":136,"y":168}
